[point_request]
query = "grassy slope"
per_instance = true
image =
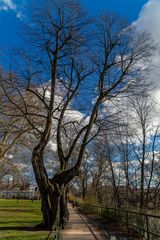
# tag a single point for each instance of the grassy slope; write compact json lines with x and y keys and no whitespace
{"x":15,"y":215}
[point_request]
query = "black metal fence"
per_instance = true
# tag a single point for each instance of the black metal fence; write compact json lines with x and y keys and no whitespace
{"x":147,"y":225}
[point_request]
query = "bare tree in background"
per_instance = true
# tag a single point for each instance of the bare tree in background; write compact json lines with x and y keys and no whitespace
{"x":142,"y":122}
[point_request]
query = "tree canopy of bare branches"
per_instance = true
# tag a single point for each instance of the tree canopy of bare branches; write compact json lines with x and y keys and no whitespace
{"x":67,"y":52}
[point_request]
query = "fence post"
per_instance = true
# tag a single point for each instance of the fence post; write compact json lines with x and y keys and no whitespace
{"x":107,"y":211}
{"x":147,"y":227}
{"x":127,"y":222}
{"x":101,"y":212}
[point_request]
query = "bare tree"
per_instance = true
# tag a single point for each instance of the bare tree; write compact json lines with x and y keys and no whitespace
{"x":150,"y":168}
{"x":142,"y":123}
{"x":63,"y":52}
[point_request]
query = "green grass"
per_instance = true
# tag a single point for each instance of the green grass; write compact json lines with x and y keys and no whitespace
{"x":14,"y":216}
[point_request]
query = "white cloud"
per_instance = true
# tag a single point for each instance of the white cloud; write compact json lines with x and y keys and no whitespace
{"x":20,"y":15}
{"x":149,"y":20}
{"x":11,"y":5}
{"x":7,"y":5}
{"x":3,"y":8}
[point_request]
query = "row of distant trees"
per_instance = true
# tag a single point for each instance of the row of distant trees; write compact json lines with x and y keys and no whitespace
{"x":89,"y":64}
{"x":12,"y":176}
{"x":122,"y":166}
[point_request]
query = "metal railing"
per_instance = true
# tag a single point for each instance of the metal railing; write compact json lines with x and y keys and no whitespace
{"x":56,"y":236}
{"x":148,"y":225}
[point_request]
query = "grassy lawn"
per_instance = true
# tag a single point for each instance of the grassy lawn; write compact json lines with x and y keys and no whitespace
{"x":17,"y":220}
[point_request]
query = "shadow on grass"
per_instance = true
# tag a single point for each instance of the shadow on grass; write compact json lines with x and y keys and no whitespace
{"x":29,"y":229}
{"x":18,"y":210}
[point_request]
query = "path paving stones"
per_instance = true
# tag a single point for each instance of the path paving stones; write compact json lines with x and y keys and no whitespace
{"x":82,"y":228}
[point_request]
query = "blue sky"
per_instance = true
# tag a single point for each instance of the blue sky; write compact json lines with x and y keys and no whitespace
{"x":10,"y":21}
{"x":12,"y":15}
{"x":127,"y":8}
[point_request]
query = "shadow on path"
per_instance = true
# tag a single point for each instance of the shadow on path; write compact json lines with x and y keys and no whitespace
{"x":90,"y":228}
{"x":82,"y":227}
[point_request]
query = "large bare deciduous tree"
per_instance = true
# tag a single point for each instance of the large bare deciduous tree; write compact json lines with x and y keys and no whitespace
{"x":74,"y":53}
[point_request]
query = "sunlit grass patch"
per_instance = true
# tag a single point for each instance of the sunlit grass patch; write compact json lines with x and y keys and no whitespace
{"x":17,"y":220}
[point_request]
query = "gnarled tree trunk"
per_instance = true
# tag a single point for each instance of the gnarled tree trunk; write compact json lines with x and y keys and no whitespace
{"x":55,"y":209}
{"x":53,"y":193}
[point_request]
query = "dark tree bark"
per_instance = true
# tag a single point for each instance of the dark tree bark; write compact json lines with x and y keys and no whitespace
{"x":64,"y":213}
{"x":59,"y":34}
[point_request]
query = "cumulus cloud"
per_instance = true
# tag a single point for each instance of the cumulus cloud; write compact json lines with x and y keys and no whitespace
{"x":10,"y":5}
{"x":149,"y":19}
{"x":7,"y":5}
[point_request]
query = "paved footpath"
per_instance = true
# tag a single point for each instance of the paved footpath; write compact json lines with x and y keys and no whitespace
{"x":82,"y":228}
